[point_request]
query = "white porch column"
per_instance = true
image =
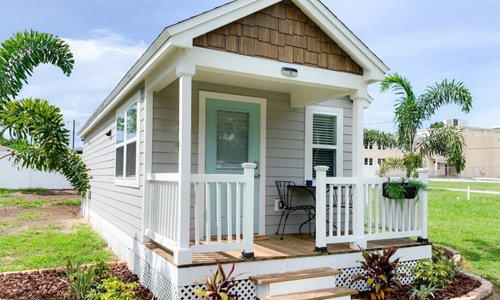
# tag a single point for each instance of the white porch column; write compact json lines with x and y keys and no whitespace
{"x":358,"y":227}
{"x":183,"y":254}
{"x":423,"y":176}
{"x":249,"y":209}
{"x":320,"y":213}
{"x":148,"y":161}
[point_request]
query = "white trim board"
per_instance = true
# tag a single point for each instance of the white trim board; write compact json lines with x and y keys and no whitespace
{"x":262,"y":153}
{"x":324,"y":110}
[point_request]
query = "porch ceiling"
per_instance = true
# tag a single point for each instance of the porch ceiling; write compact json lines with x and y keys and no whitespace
{"x":302,"y":95}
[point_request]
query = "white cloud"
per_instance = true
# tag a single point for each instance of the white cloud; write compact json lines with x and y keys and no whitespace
{"x":100,"y":63}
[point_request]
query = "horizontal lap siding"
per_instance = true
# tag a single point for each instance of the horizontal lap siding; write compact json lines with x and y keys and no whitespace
{"x":122,"y":206}
{"x":284,"y":141}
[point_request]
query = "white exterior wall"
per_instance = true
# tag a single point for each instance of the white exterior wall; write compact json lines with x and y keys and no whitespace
{"x":119,"y":205}
{"x":14,"y":177}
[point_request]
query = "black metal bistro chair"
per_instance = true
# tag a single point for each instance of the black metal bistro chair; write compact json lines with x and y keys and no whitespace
{"x":285,"y":191}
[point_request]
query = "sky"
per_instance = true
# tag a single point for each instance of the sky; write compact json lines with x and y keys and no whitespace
{"x":424,"y":40}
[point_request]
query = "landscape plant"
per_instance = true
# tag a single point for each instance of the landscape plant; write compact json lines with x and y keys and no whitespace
{"x":37,"y":127}
{"x":432,"y":272}
{"x":397,"y":192}
{"x":114,"y":289}
{"x":81,"y":284}
{"x":380,"y":274}
{"x":219,"y":286}
{"x":409,"y":116}
{"x":423,"y":292}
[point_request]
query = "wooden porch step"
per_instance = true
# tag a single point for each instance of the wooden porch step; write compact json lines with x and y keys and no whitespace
{"x":322,"y":294}
{"x":297,"y":275}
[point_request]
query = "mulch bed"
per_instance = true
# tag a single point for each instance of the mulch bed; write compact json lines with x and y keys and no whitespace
{"x":461,"y":285}
{"x":36,"y":286}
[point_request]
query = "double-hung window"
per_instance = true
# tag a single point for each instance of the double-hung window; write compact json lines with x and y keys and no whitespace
{"x":127,"y":143}
{"x":368,"y":161}
{"x":324,"y":140}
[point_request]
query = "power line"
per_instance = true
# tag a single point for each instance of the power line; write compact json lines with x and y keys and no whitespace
{"x":378,"y":123}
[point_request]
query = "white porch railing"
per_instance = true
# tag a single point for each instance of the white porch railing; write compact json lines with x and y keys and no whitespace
{"x":210,"y":190}
{"x":340,"y":218}
{"x":164,"y":207}
{"x":213,"y":191}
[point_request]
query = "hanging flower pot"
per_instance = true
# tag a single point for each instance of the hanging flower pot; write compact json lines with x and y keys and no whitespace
{"x":405,"y":190}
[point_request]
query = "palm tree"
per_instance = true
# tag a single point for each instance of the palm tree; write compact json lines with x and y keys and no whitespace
{"x":410,"y":114}
{"x":42,"y":142}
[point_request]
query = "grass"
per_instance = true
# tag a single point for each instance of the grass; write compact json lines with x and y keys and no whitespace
{"x":37,"y":190}
{"x":32,"y":215}
{"x":45,"y":249}
{"x":77,"y":202}
{"x":19,"y":202}
{"x":470,"y":227}
{"x":484,"y":186}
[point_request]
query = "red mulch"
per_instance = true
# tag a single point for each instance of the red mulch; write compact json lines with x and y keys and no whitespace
{"x":48,"y":286}
{"x":461,"y":285}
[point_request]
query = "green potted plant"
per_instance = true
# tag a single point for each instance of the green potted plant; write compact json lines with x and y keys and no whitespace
{"x":401,"y":190}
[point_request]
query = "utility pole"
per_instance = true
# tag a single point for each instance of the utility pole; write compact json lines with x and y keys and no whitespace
{"x":73,"y":134}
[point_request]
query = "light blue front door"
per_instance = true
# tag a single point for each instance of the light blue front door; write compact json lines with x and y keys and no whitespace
{"x":232,"y":138}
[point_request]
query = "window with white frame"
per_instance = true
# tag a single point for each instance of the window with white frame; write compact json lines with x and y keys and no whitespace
{"x":127,"y":143}
{"x":324,"y":140}
{"x":382,"y":148}
{"x":368,"y":161}
{"x":380,"y":161}
{"x":369,"y":146}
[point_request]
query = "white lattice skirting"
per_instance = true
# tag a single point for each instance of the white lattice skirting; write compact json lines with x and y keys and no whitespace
{"x":163,"y":287}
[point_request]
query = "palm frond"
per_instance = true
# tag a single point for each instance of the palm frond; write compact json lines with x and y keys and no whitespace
{"x":20,"y":54}
{"x":448,"y":142}
{"x":48,"y":149}
{"x":381,"y":138}
{"x":445,"y":93}
{"x":390,"y":164}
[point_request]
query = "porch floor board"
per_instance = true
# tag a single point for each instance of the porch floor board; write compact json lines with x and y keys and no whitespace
{"x":292,"y":246}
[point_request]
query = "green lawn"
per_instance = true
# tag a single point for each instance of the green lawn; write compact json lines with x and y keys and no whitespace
{"x":47,"y":249}
{"x":470,"y":227}
{"x":486,"y":186}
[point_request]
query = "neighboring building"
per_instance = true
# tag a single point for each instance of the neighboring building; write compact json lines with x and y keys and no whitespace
{"x":482,"y":153}
{"x":186,"y":151}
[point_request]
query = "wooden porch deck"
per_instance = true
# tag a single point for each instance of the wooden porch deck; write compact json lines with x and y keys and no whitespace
{"x":270,"y":247}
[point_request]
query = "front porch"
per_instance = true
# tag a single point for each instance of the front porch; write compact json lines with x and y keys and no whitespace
{"x":270,"y":247}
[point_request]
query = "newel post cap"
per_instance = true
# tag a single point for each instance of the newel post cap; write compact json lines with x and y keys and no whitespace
{"x":321,"y":168}
{"x":249,"y":165}
{"x":423,"y":170}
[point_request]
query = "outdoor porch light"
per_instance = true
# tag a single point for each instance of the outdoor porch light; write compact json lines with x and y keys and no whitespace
{"x":108,"y":133}
{"x":289,"y":72}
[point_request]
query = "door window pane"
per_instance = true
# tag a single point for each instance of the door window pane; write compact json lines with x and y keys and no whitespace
{"x":120,"y":128}
{"x":232,"y":139}
{"x":325,"y":157}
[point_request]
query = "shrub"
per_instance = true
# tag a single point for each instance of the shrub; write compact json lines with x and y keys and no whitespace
{"x":114,"y":289}
{"x":381,"y":275}
{"x":81,"y":284}
{"x":423,"y":292}
{"x":219,"y":286}
{"x":438,"y":271}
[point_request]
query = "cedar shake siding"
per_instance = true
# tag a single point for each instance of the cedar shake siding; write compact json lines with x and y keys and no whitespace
{"x":284,"y":33}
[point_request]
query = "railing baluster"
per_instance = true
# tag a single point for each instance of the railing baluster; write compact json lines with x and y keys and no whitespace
{"x":238,"y":211}
{"x":229,"y":214}
{"x":219,"y":214}
{"x":377,"y":219}
{"x":208,"y":214}
{"x":196,"y":214}
{"x":346,"y":211}
{"x":369,"y":195}
{"x":330,"y":206}
{"x":339,"y":210}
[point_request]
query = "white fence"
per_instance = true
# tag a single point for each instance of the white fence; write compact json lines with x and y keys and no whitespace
{"x":13,"y":177}
{"x":373,"y":216}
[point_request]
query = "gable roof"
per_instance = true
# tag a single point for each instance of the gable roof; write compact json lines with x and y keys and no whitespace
{"x":181,"y":35}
